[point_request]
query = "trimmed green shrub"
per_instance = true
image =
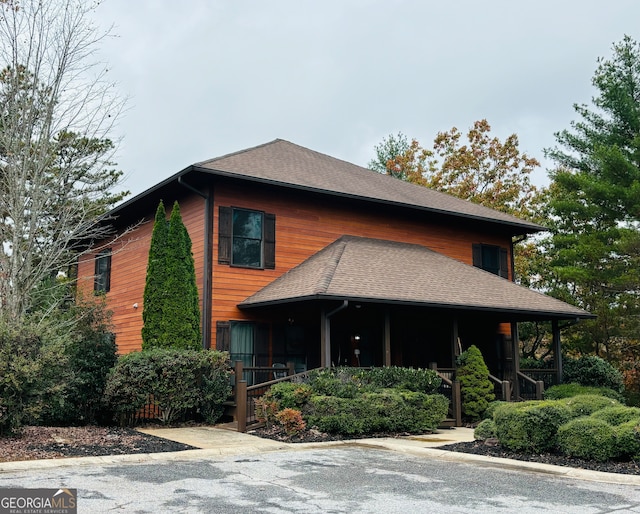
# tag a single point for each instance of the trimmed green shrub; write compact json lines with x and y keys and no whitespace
{"x":590,"y":370}
{"x":560,"y":391}
{"x":413,"y":379}
{"x":587,"y":438}
{"x":491,"y":408}
{"x":175,"y":380}
{"x":283,"y":395}
{"x":390,"y":410}
{"x":530,"y":426}
{"x":475,"y":387}
{"x":627,"y":440}
{"x":486,"y":429}
{"x":617,"y":414}
{"x":340,"y":382}
{"x":587,"y":404}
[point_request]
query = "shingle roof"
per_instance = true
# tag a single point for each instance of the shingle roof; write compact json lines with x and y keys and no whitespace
{"x":286,"y":164}
{"x":363,"y":269}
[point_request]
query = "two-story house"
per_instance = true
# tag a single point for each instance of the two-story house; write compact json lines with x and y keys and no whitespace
{"x":301,"y":257}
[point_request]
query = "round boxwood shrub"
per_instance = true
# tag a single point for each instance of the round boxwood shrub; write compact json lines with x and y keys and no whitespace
{"x":627,"y":439}
{"x":587,"y":438}
{"x":590,"y":370}
{"x":560,"y":391}
{"x":491,"y":408}
{"x":617,"y":414}
{"x":587,"y":404}
{"x":530,"y":426}
{"x":486,"y":429}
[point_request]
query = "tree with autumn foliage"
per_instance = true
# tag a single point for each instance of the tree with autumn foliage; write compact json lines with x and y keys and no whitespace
{"x":483,"y":170}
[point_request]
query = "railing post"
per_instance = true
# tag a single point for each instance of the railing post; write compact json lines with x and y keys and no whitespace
{"x":506,"y":391}
{"x":456,"y":402}
{"x":539,"y":389}
{"x":291,"y":369}
{"x":241,"y":405}
{"x":237,"y":372}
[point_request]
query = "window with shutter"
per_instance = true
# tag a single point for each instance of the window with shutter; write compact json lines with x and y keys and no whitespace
{"x":246,"y":238}
{"x":491,"y":258}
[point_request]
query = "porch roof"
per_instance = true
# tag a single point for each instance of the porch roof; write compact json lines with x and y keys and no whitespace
{"x":374,"y":270}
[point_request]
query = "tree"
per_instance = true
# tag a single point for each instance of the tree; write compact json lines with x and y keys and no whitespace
{"x":171,"y":313}
{"x":475,"y":387}
{"x":56,"y":110}
{"x":155,"y":285}
{"x":485,"y":171}
{"x":594,"y":207}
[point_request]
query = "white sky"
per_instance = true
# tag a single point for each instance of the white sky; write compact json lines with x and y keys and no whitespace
{"x":210,"y":77}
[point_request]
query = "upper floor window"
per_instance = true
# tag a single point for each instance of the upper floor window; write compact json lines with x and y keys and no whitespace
{"x":102,"y":276}
{"x":246,"y":238}
{"x":491,"y":258}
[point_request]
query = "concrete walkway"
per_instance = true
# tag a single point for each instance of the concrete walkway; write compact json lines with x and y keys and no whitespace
{"x":215,"y":442}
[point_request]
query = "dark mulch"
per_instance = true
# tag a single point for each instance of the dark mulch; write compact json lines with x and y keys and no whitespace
{"x":58,"y":442}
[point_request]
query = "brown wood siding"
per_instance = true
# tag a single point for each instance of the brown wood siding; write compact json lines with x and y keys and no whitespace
{"x":129,"y":268}
{"x":304,"y":225}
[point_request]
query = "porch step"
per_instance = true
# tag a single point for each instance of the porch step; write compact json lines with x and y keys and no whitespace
{"x":447,"y":423}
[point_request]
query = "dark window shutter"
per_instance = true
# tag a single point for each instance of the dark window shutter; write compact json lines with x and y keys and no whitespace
{"x":223,"y":336}
{"x":269,"y":241}
{"x":504,"y":263}
{"x":477,"y":255}
{"x":224,"y":235}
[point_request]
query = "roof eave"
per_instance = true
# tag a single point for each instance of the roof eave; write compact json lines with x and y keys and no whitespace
{"x":525,"y":227}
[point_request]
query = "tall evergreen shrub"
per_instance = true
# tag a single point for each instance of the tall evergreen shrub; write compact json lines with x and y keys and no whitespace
{"x":171,"y":313}
{"x":475,"y":386}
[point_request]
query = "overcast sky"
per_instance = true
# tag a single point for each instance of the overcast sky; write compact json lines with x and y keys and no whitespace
{"x":210,"y":77}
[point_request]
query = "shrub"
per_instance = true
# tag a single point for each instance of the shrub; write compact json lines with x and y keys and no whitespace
{"x":491,"y":408}
{"x":340,"y":382}
{"x":475,"y":386}
{"x":587,"y":438}
{"x":560,"y":391}
{"x":175,"y":380}
{"x":627,"y":439}
{"x":291,"y":420}
{"x":587,"y":404}
{"x":590,"y":370}
{"x":486,"y":429}
{"x":530,"y":426}
{"x":388,"y":410}
{"x":413,"y":379}
{"x":30,"y":368}
{"x":283,"y":395}
{"x":617,"y":414}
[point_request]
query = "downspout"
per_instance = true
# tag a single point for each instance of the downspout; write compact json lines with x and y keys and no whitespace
{"x":325,"y":360}
{"x":207,"y":278}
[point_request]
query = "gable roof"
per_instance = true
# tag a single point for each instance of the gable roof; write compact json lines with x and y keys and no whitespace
{"x":286,"y":164}
{"x":374,"y":270}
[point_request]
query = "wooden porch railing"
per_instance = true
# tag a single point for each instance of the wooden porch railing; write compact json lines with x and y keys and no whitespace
{"x":528,"y":388}
{"x":451,"y":389}
{"x":501,"y":388}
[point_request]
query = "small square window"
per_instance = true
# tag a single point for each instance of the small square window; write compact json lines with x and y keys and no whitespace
{"x":102,"y":278}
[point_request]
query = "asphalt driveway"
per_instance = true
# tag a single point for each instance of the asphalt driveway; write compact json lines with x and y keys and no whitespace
{"x":354,"y":479}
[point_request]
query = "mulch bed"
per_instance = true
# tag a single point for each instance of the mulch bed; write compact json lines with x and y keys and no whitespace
{"x":58,"y":442}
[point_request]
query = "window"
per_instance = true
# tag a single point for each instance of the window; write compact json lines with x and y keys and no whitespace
{"x":245,"y":341}
{"x":246,"y":238}
{"x":491,"y":258}
{"x":102,"y":277}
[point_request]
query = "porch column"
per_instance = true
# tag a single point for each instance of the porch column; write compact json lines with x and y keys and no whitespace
{"x":387,"y":338}
{"x":557,"y":350}
{"x":515,"y":348}
{"x":325,"y":340}
{"x":455,"y":349}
